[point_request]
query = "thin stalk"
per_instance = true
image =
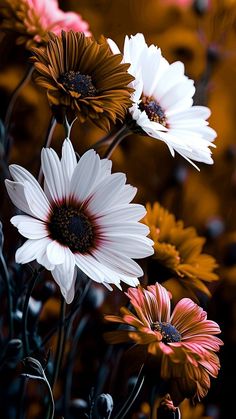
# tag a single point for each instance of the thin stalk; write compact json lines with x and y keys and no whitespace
{"x":70,"y":364}
{"x":120,"y":135}
{"x":25,"y":312}
{"x":133,"y":396}
{"x":58,"y":356}
{"x":47,"y":143}
{"x":59,"y":351}
{"x":15,"y":95}
{"x":68,"y":126}
{"x":9,"y":296}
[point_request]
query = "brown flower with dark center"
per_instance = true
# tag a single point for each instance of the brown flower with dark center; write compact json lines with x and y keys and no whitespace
{"x":83,"y":78}
{"x":153,"y":110}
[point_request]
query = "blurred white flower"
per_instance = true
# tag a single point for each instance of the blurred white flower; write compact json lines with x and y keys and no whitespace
{"x":163,"y":101}
{"x":82,"y":219}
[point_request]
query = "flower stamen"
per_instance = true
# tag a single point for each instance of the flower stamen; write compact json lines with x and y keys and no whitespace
{"x":153,"y":110}
{"x":72,"y":228}
{"x":169,"y":333}
{"x":74,"y":81}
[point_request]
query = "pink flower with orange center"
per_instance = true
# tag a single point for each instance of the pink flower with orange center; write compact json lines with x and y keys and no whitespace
{"x":183,"y":341}
{"x":33,"y":19}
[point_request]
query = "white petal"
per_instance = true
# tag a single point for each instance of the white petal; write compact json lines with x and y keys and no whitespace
{"x":85,"y":176}
{"x":54,"y":175}
{"x":30,"y":250}
{"x":136,"y":247}
{"x":65,"y":276}
{"x":16,"y":192}
{"x":56,"y":253}
{"x":104,"y":194}
{"x":34,"y":194}
{"x":118,"y":262}
{"x":68,"y":159}
{"x":131,"y":212}
{"x":30,"y":227}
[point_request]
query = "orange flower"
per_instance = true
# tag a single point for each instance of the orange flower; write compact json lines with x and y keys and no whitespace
{"x":32,"y":19}
{"x":179,"y":249}
{"x":183,"y":342}
{"x":84,"y":78}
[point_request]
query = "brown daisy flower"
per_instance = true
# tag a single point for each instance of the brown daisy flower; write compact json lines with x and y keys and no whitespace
{"x":84,"y":78}
{"x":179,"y":249}
{"x":183,"y":342}
{"x":32,"y":19}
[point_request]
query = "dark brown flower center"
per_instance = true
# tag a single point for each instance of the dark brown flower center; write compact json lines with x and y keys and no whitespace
{"x":153,"y":110}
{"x":72,"y":228}
{"x":169,"y":333}
{"x":74,"y":81}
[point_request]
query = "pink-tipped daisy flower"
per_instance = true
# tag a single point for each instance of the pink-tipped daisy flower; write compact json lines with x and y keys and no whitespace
{"x":82,"y":219}
{"x":183,"y":342}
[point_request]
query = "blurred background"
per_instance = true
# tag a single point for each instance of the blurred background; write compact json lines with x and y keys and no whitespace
{"x":202,"y":34}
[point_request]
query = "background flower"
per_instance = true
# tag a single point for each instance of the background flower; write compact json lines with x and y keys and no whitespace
{"x":32,"y":19}
{"x":183,"y":341}
{"x":179,"y":249}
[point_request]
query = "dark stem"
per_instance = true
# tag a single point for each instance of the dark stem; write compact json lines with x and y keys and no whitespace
{"x":104,"y":140}
{"x":67,"y":319}
{"x":58,"y":356}
{"x":47,"y":143}
{"x":59,"y":350}
{"x":15,"y":95}
{"x":118,"y":137}
{"x":70,"y":364}
{"x":25,"y":312}
{"x":133,"y":396}
{"x":9,"y":296}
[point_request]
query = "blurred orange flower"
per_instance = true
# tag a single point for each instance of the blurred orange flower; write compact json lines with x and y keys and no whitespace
{"x":183,"y":341}
{"x":179,"y":249}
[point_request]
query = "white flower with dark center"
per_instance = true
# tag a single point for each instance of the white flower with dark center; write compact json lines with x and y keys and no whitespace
{"x":163,"y":101}
{"x":82,"y":219}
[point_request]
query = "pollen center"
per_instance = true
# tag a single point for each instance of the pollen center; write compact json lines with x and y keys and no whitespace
{"x":153,"y":110}
{"x":72,"y":228}
{"x":74,"y":81}
{"x":169,"y":332}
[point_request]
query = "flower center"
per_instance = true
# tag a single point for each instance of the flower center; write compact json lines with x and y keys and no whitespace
{"x":169,"y":332}
{"x":74,"y":81}
{"x":153,"y":110}
{"x":72,"y":228}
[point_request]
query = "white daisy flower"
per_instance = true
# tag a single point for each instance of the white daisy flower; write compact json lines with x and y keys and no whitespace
{"x":82,"y":219}
{"x":163,"y":101}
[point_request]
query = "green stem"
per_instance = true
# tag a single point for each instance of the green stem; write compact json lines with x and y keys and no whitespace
{"x":15,"y":95}
{"x":133,"y":396}
{"x":25,"y":312}
{"x":118,"y":137}
{"x":9,"y":296}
